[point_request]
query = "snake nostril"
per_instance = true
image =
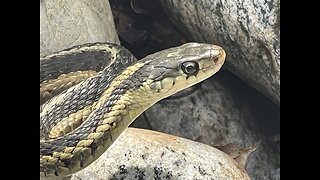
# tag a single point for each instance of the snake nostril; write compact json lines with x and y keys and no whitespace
{"x":215,"y":59}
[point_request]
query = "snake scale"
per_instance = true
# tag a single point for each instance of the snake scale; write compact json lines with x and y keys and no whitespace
{"x":89,"y":94}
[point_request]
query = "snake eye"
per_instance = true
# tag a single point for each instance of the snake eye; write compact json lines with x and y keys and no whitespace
{"x":190,"y":68}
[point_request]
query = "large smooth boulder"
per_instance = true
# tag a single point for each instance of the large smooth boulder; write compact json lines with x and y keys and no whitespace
{"x":65,"y":24}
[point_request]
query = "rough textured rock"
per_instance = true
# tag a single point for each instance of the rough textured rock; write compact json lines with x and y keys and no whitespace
{"x":213,"y":114}
{"x":67,"y":23}
{"x":248,"y":30}
{"x":144,"y":154}
{"x":220,"y":116}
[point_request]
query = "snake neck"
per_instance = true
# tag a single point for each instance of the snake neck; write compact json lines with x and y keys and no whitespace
{"x":112,"y":122}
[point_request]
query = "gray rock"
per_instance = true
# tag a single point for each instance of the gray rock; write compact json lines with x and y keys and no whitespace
{"x":68,"y":23}
{"x":276,"y":174}
{"x":213,"y":114}
{"x":248,"y":30}
{"x":144,"y":154}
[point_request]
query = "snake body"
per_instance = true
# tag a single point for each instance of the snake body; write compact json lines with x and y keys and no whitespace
{"x":90,"y":94}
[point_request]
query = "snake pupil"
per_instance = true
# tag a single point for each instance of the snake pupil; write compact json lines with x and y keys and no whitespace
{"x":190,"y":68}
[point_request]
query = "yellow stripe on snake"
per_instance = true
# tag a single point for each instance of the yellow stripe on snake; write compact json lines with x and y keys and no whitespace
{"x":90,"y":94}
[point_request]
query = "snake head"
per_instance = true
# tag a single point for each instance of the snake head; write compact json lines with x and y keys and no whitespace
{"x":178,"y":68}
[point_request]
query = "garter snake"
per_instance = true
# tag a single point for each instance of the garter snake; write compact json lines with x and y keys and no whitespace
{"x":89,"y":94}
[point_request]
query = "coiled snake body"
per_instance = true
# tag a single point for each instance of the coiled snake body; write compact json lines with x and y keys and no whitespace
{"x":90,"y":94}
